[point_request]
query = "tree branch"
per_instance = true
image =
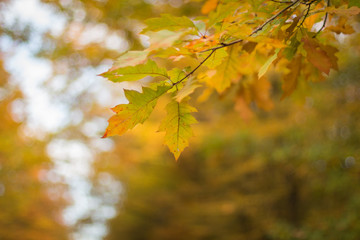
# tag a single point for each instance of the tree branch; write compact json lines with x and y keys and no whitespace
{"x":281,"y":1}
{"x":306,"y":14}
{"x":325,"y":19}
{"x":187,"y":75}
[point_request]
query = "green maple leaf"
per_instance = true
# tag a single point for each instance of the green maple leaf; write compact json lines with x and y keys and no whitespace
{"x":133,"y":73}
{"x":139,"y":108}
{"x":177,"y":126}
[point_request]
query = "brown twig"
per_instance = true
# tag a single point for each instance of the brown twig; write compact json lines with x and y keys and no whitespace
{"x":281,"y":1}
{"x":325,"y":19}
{"x":306,"y":14}
{"x":187,"y":75}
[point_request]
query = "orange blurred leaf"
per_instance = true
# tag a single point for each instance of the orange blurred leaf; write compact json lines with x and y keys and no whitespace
{"x":322,"y":57}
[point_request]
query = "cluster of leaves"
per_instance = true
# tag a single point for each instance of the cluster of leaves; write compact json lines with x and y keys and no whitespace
{"x":285,"y":176}
{"x":232,"y":45}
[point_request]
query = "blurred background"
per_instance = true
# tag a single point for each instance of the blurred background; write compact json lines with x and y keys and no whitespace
{"x":291,"y":173}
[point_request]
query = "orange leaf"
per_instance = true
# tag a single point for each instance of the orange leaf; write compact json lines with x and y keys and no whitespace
{"x":243,"y":108}
{"x":261,"y":89}
{"x":209,"y":6}
{"x":291,"y":79}
{"x":342,"y":27}
{"x":318,"y":56}
{"x":343,"y":12}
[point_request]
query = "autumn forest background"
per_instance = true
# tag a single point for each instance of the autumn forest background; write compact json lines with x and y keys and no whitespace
{"x":290,"y":171}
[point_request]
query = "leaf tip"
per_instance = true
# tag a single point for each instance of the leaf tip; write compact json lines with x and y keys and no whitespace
{"x":176,"y":155}
{"x":105,"y":134}
{"x":104,"y":74}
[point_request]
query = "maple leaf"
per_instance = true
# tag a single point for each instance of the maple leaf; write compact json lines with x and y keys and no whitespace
{"x":177,"y":126}
{"x":176,"y":74}
{"x":255,"y":90}
{"x":162,"y":39}
{"x":133,"y":73}
{"x":168,"y":22}
{"x":139,"y":108}
{"x":261,"y":91}
{"x":130,"y":58}
{"x":228,"y":71}
{"x":342,"y":27}
{"x":216,"y":58}
{"x":188,"y":89}
{"x":209,"y":6}
{"x":352,"y":11}
{"x":322,"y":57}
{"x":242,"y":107}
{"x":221,"y":12}
{"x":203,"y":43}
{"x":291,"y":79}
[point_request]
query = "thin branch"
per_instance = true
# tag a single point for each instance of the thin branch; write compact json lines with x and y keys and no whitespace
{"x":188,"y":75}
{"x":273,"y":18}
{"x":310,"y":2}
{"x":306,"y":14}
{"x":281,"y":1}
{"x":325,"y":19}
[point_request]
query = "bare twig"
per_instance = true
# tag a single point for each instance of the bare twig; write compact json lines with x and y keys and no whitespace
{"x":306,"y":14}
{"x":325,"y":19}
{"x":281,"y":1}
{"x":188,"y":75}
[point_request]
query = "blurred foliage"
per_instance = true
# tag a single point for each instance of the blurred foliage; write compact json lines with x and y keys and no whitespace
{"x":30,"y":205}
{"x":290,"y":174}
